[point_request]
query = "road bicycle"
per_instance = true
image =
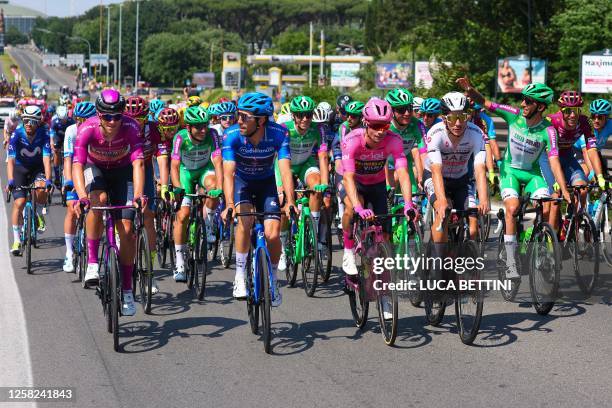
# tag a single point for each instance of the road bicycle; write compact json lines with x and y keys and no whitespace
{"x":29,"y":230}
{"x":197,"y":246}
{"x":142,"y":277}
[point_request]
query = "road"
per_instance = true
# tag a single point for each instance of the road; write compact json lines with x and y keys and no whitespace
{"x":31,"y":66}
{"x":190,"y":353}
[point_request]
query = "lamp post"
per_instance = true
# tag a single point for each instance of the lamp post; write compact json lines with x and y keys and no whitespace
{"x":136,"y":57}
{"x":107,"y":40}
{"x":119,"y":63}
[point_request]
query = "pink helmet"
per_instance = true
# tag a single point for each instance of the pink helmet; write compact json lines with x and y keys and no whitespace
{"x":570,"y":99}
{"x":377,"y":110}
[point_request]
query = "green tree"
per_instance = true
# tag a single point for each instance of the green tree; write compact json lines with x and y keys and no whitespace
{"x":13,"y":36}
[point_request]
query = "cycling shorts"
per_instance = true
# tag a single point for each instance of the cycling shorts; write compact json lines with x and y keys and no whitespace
{"x":301,"y":171}
{"x":457,"y":190}
{"x":261,"y":193}
{"x":512,"y":179}
{"x":571,"y":168}
{"x":189,"y":178}
{"x":340,"y":187}
{"x":117,"y":183}
{"x":71,"y":195}
{"x":149,"y":187}
{"x":375,"y":196}
{"x":24,"y":176}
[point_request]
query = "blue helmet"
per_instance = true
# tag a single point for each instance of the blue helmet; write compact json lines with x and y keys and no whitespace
{"x":51,"y":110}
{"x":214,"y":109}
{"x":431,"y":105}
{"x":227,"y":107}
{"x":257,"y":103}
{"x":84,"y":110}
{"x":156,"y":105}
{"x":600,"y":107}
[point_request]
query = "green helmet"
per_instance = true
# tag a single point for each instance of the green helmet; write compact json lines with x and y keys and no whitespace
{"x":354,"y":108}
{"x":302,"y":103}
{"x":538,"y":92}
{"x":196,"y":115}
{"x":399,"y":97}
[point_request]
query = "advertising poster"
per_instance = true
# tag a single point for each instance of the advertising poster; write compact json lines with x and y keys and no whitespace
{"x":393,"y":74}
{"x":205,"y":80}
{"x":513,"y":73}
{"x":596,"y":74}
{"x":344,"y":74}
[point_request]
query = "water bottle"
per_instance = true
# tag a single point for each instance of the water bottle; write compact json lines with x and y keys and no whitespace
{"x":598,"y":207}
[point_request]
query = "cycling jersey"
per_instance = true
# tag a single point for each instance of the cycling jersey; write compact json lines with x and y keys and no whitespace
{"x":69,"y":138}
{"x":567,"y":137}
{"x":152,"y":145}
{"x":29,"y":153}
{"x":454,"y":159}
{"x":601,"y":137}
{"x":525,"y":144}
{"x":58,"y":129}
{"x":412,"y":135}
{"x":327,"y":134}
{"x":368,"y":163}
{"x":343,"y":130}
{"x":256,"y":162}
{"x":304,"y":147}
{"x":91,"y":147}
{"x":195,"y":156}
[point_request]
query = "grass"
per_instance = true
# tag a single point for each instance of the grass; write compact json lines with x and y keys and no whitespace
{"x":6,"y":62}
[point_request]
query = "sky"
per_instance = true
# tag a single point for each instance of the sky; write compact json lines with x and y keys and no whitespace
{"x":62,"y":8}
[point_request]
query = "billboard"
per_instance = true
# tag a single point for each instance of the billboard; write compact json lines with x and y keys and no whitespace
{"x":75,"y":59}
{"x":513,"y":73}
{"x":230,"y":78}
{"x":98,"y":59}
{"x":423,"y":73}
{"x":205,"y":80}
{"x":50,"y":60}
{"x":345,"y":74}
{"x":393,"y":74}
{"x":596,"y":73}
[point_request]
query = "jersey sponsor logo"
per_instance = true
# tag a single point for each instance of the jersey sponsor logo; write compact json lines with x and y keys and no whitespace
{"x":108,"y":154}
{"x":27,"y":153}
{"x":255,"y":150}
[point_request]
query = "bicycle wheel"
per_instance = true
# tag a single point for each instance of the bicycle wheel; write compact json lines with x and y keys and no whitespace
{"x":469,"y":302}
{"x":28,"y":225}
{"x":358,"y":300}
{"x":115,"y":296}
{"x":170,"y":241}
{"x":227,"y":245}
{"x":435,"y":303}
{"x":415,"y":249}
{"x":310,"y":260}
{"x":387,"y":299}
{"x":544,"y":267}
{"x":507,"y":294}
{"x":104,"y":290}
{"x":292,"y":266}
{"x":265,"y":301}
{"x":586,"y":254}
{"x":201,"y":260}
{"x":326,"y":261}
{"x":214,"y":247}
{"x":160,"y":246}
{"x":144,"y":271}
{"x":252,"y":306}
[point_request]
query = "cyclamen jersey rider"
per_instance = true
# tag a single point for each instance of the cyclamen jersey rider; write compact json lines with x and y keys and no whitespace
{"x":108,"y":167}
{"x":529,"y":135}
{"x":249,"y":150}
{"x":196,"y":160}
{"x":82,"y":111}
{"x":28,"y":162}
{"x":59,"y":124}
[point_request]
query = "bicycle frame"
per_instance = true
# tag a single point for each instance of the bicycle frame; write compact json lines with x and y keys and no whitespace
{"x":258,"y":240}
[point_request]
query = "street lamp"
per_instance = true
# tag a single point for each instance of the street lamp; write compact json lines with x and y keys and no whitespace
{"x":136,"y":65}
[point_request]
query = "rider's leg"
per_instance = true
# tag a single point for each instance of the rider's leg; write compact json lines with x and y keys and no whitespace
{"x":94,"y":225}
{"x":312,"y":177}
{"x":16,"y":216}
{"x":180,"y":233}
{"x":210,"y":206}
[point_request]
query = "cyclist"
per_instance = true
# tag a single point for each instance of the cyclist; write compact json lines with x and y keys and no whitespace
{"x":249,"y":150}
{"x":28,"y":162}
{"x":284,"y":114}
{"x":196,"y":160}
{"x":364,"y":156}
{"x":10,"y":125}
{"x":305,"y":140}
{"x":155,"y":106}
{"x":529,"y":134}
{"x":226,"y":116}
{"x":416,"y":106}
{"x":341,"y":115}
{"x":108,"y":168}
{"x":194,"y":101}
{"x":59,"y":124}
{"x":430,"y":111}
{"x":82,"y":111}
{"x":571,"y":125}
{"x":602,"y":127}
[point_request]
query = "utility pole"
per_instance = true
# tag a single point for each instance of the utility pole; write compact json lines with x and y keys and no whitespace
{"x":310,"y":59}
{"x":136,"y":58}
{"x":529,"y":12}
{"x":120,"y":26}
{"x":107,"y":42}
{"x":322,"y":53}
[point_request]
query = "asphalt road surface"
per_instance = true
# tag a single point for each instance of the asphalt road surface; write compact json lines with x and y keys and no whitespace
{"x":31,"y":66}
{"x":190,"y":353}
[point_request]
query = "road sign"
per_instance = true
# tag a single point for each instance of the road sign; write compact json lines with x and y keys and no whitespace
{"x":99,"y":59}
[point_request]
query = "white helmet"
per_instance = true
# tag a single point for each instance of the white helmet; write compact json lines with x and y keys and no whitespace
{"x":416,"y":102}
{"x":13,"y":115}
{"x":32,"y":112}
{"x":321,"y":115}
{"x":64,"y":99}
{"x":454,"y":101}
{"x":324,"y":105}
{"x":62,"y":112}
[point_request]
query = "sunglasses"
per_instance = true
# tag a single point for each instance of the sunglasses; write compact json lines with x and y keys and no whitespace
{"x":167,"y":129}
{"x":245,"y":117}
{"x":227,"y":117}
{"x":571,"y":109}
{"x":454,"y":117}
{"x":354,"y":116}
{"x":31,"y":122}
{"x":431,"y":115}
{"x":303,"y":115}
{"x":529,"y":101}
{"x":109,"y":117}
{"x":596,"y":116}
{"x":199,"y":126}
{"x":403,"y":109}
{"x":378,"y":127}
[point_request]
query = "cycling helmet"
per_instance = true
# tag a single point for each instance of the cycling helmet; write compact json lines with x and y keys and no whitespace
{"x":416,"y":102}
{"x":196,"y":115}
{"x":64,"y":99}
{"x":354,"y":108}
{"x":13,"y":115}
{"x":51,"y":109}
{"x":570,"y":99}
{"x":32,"y":112}
{"x":227,"y":107}
{"x":214,"y":109}
{"x":62,"y":113}
{"x":168,"y":117}
{"x":156,"y":105}
{"x":84,"y":110}
{"x":377,"y":110}
{"x":454,"y":101}
{"x":321,"y":115}
{"x":193,"y":101}
{"x":285,"y":110}
{"x":136,"y":107}
{"x":399,"y":97}
{"x":538,"y":92}
{"x":325,"y":106}
{"x":431,"y":105}
{"x":343,"y":100}
{"x":257,"y":103}
{"x":600,"y":107}
{"x":110,"y":101}
{"x":302,"y":103}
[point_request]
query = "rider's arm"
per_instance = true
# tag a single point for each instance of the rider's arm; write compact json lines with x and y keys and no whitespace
{"x":284,"y":166}
{"x":435,"y":159}
{"x":46,"y":152}
{"x":418,"y":165}
{"x":162,"y":164}
{"x":218,"y":164}
{"x":10,"y":166}
{"x":350,"y":187}
{"x":229,"y":171}
{"x":396,"y":149}
{"x":138,"y":176}
{"x":555,"y":163}
{"x":593,"y":160}
{"x":480,"y":157}
{"x":175,"y":163}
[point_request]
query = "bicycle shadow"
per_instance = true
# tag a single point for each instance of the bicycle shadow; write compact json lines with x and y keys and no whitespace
{"x":168,"y":304}
{"x":48,"y":243}
{"x":46,"y":266}
{"x":149,"y":335}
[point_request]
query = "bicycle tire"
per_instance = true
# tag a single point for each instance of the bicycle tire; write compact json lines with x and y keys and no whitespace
{"x":252,"y":307}
{"x":537,"y":273}
{"x":104,"y":289}
{"x":434,"y":304}
{"x":226,"y":253}
{"x":201,"y":260}
{"x":115,"y":292}
{"x":265,"y":301}
{"x":160,"y":247}
{"x":327,"y":265}
{"x":170,"y":241}
{"x":606,"y":236}
{"x":8,"y":196}
{"x":388,"y":327}
{"x":144,"y":271}
{"x":468,"y":326}
{"x":215,"y":246}
{"x":291,"y":266}
{"x":310,"y":260}
{"x":415,"y":296}
{"x":587,"y":231}
{"x":508,"y":295}
{"x":28,"y":226}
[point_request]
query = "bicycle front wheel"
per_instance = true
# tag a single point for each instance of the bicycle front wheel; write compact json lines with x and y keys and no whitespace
{"x":144,"y":271}
{"x":201,"y":261}
{"x":28,"y":226}
{"x":115,"y":296}
{"x":434,"y":302}
{"x":251,"y":300}
{"x":544,"y":268}
{"x":227,"y":245}
{"x":326,"y":257}
{"x":507,"y":293}
{"x":586,"y":254}
{"x":469,"y":302}
{"x":387,"y":300}
{"x":265,"y":301}
{"x":310,"y":261}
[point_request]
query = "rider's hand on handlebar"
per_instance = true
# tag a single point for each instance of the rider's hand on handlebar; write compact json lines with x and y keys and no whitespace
{"x":140,"y":202}
{"x":365,"y":213}
{"x":226,"y":210}
{"x":601,"y":181}
{"x":11,"y":185}
{"x":215,"y":193}
{"x":48,"y":185}
{"x":320,"y":188}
